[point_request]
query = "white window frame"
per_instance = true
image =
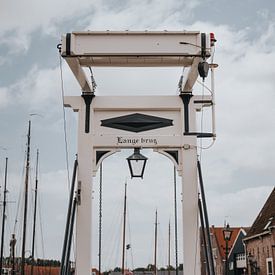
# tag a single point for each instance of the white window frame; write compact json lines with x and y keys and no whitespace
{"x":269,"y":260}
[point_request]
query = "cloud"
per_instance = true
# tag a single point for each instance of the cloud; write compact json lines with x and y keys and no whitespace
{"x":43,"y":14}
{"x":16,"y":27}
{"x":238,"y":208}
{"x":3,"y":97}
{"x":244,"y":96}
{"x":237,"y":170}
{"x":144,"y":15}
{"x":47,"y":17}
{"x":40,"y":88}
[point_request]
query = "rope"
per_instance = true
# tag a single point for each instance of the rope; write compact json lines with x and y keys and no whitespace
{"x":114,"y":237}
{"x":41,"y":228}
{"x":65,"y":129}
{"x":19,"y":197}
{"x":64,"y":121}
{"x":129,"y":235}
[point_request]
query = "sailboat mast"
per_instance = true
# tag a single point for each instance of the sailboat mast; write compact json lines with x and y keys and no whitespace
{"x":169,"y":248}
{"x":124,"y":229}
{"x":26,"y":201}
{"x":12,"y":249}
{"x":156,"y":239}
{"x":34,"y":212}
{"x":3,"y":217}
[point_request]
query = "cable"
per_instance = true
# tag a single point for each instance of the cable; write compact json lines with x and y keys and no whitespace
{"x":65,"y":132}
{"x":201,"y":130}
{"x":203,"y":84}
{"x":208,"y":146}
{"x":64,"y":121}
{"x":197,"y":235}
{"x":162,"y":251}
{"x":201,"y":126}
{"x":41,"y":228}
{"x":19,"y":196}
{"x":129,"y":235}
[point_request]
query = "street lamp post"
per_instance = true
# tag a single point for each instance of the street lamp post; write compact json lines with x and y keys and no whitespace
{"x":227,"y":232}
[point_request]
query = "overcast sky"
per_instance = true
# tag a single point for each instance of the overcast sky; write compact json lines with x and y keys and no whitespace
{"x":238,"y":170}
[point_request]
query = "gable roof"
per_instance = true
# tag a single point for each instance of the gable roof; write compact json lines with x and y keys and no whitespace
{"x":265,"y":219}
{"x":218,"y":233}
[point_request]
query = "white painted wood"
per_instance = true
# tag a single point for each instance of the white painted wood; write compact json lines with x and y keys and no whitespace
{"x":138,"y":103}
{"x":187,"y":85}
{"x":142,"y":141}
{"x":84,"y":210}
{"x":136,"y":49}
{"x":79,"y":74}
{"x":131,"y":48}
{"x":191,"y":249}
{"x":99,"y":139}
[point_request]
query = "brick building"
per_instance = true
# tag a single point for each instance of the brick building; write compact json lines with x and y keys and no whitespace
{"x":260,"y":241}
{"x":236,"y":257}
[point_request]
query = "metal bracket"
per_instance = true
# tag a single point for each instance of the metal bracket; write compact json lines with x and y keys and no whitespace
{"x":88,"y":97}
{"x":186,"y":100}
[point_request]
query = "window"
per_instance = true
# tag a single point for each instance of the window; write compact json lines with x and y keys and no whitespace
{"x":269,"y":266}
{"x":215,"y":253}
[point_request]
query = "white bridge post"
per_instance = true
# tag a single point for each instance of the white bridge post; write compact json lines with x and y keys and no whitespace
{"x":191,"y":248}
{"x":84,"y":209}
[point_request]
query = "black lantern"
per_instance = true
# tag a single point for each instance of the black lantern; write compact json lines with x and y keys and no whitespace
{"x":137,"y":164}
{"x":227,"y":233}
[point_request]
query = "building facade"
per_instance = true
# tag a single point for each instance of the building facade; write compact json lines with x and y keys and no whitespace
{"x":236,"y":251}
{"x":260,"y":241}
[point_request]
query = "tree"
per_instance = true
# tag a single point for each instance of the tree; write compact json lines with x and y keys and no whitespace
{"x":170,"y":267}
{"x":140,"y":269}
{"x":150,"y":267}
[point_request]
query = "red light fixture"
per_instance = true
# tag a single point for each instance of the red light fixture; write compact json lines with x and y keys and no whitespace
{"x":212,"y":39}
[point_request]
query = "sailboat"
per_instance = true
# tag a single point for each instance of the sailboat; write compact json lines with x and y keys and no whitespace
{"x":34,"y":212}
{"x":26,"y":194}
{"x":156,"y":243}
{"x":3,"y":218}
{"x":25,"y":214}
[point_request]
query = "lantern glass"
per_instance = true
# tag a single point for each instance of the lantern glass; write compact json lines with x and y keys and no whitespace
{"x":227,"y":233}
{"x":137,"y":164}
